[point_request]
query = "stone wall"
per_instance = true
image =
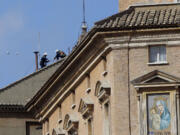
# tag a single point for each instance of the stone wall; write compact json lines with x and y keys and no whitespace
{"x":12,"y":126}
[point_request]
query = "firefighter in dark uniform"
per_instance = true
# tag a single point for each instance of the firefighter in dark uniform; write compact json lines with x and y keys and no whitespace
{"x":59,"y":54}
{"x":44,"y":60}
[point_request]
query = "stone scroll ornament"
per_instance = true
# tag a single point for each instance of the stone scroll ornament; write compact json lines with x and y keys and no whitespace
{"x":159,"y":114}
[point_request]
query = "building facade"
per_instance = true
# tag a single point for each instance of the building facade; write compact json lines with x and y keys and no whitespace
{"x":122,"y":78}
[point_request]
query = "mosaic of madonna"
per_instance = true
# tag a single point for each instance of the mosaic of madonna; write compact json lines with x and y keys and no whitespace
{"x":159,"y":114}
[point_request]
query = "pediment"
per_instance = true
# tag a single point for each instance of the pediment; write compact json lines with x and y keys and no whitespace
{"x":154,"y":78}
{"x":157,"y":79}
{"x":85,"y":103}
{"x":70,"y":120}
{"x":86,"y":107}
{"x":101,"y":87}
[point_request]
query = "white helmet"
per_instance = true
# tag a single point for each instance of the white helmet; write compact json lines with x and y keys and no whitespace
{"x":57,"y":50}
{"x":45,"y":54}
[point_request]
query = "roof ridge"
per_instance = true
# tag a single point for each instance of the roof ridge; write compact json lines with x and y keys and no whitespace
{"x":152,"y":4}
{"x":131,"y":8}
{"x":30,"y":75}
{"x":143,"y":21}
{"x":114,"y":16}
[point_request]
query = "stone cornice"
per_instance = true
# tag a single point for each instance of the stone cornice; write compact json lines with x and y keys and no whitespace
{"x":138,"y":40}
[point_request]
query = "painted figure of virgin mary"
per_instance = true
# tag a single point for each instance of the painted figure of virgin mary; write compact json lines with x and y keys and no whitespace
{"x":164,"y":113}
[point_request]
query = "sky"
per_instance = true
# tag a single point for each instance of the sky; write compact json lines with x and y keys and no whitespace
{"x":57,"y":21}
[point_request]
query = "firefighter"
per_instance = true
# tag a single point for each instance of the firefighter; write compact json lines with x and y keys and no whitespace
{"x":62,"y":54}
{"x":44,"y":60}
{"x":59,"y":54}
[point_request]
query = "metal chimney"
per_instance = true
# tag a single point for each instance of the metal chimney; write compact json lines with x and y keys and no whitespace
{"x":36,"y":57}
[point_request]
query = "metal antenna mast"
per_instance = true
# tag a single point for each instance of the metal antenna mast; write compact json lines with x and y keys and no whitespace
{"x":84,"y":17}
{"x":84,"y":25}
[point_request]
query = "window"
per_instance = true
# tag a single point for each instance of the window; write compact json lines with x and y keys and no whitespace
{"x":157,"y":54}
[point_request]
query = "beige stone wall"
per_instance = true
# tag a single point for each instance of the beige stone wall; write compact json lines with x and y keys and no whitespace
{"x":80,"y":92}
{"x":16,"y":126}
{"x":119,"y":102}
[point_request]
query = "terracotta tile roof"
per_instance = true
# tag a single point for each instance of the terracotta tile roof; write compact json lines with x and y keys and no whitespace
{"x":20,"y":92}
{"x":147,"y":16}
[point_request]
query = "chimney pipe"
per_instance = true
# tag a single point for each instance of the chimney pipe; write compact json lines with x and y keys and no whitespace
{"x":36,"y":57}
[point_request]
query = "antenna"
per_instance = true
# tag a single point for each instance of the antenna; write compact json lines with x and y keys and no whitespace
{"x":37,"y":52}
{"x":84,"y":24}
{"x":39,"y":46}
{"x":84,"y":17}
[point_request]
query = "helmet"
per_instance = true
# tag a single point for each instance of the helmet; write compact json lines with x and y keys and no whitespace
{"x":45,"y":54}
{"x":57,"y":50}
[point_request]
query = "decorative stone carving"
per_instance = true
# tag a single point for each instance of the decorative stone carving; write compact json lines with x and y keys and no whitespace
{"x":71,"y":124}
{"x":58,"y":131}
{"x":88,"y":90}
{"x":86,"y":107}
{"x":73,"y":127}
{"x":156,"y":79}
{"x":102,"y":91}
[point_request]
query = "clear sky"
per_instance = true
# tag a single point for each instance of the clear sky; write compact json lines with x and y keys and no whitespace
{"x":58,"y":21}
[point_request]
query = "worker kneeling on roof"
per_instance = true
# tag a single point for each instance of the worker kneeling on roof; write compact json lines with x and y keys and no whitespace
{"x":59,"y":54}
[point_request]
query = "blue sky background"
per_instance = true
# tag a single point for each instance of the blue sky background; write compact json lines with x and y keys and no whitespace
{"x":59,"y":24}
